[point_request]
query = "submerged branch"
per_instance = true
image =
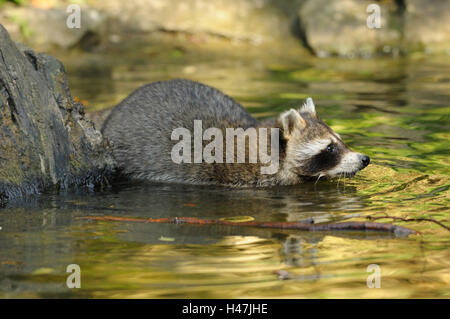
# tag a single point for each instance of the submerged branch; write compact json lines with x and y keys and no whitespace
{"x":407,"y":219}
{"x":398,"y":230}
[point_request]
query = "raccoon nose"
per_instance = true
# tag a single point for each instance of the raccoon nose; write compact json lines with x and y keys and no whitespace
{"x":365,"y":160}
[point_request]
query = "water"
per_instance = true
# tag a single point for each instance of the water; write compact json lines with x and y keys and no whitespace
{"x":394,"y":110}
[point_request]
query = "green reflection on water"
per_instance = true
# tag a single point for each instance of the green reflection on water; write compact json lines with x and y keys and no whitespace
{"x":394,"y":110}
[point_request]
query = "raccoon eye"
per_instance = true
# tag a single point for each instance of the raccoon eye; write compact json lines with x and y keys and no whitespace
{"x":330,"y":148}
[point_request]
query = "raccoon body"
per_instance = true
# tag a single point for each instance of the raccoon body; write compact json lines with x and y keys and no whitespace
{"x":141,"y":131}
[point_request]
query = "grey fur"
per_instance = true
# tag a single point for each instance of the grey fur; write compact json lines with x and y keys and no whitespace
{"x":140,"y":129}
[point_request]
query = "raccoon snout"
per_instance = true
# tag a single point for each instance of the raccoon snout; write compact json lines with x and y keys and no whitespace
{"x":365,"y":160}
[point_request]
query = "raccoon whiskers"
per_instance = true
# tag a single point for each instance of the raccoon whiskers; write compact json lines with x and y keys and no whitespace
{"x":320,"y":175}
{"x":340,"y":175}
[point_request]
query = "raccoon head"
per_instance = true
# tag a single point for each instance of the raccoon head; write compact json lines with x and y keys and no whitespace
{"x":312,"y":149}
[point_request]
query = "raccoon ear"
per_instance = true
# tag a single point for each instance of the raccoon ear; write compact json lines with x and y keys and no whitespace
{"x":291,"y":120}
{"x":309,"y":106}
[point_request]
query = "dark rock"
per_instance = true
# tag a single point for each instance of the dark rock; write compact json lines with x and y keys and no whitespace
{"x":45,"y":140}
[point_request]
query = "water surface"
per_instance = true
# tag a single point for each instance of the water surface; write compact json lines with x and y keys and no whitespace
{"x":394,"y":110}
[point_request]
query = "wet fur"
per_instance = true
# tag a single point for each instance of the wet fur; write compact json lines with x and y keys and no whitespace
{"x":140,"y":129}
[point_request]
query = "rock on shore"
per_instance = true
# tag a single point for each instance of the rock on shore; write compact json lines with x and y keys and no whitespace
{"x":324,"y":27}
{"x":45,"y":141}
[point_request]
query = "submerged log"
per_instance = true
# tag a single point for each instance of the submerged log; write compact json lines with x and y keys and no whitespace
{"x":347,"y":226}
{"x":45,"y":141}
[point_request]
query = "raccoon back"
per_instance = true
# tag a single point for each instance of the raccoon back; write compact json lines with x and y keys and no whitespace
{"x":140,"y":127}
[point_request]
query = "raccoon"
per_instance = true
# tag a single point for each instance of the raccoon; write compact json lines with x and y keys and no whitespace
{"x":140,"y":130}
